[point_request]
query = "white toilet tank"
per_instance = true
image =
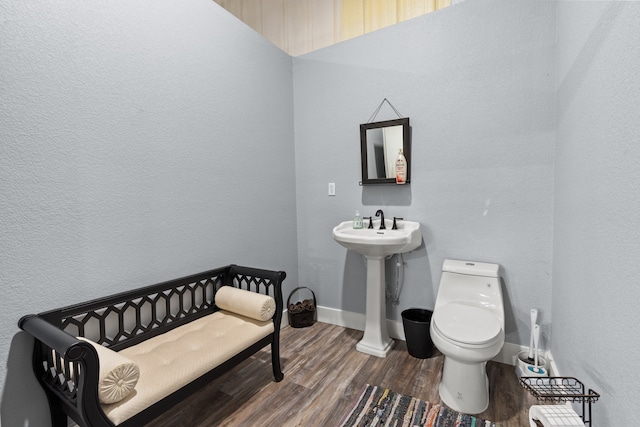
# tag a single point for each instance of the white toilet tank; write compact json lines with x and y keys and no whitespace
{"x":473,"y":283}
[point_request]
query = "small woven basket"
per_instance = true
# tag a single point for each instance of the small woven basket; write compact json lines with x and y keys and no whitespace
{"x":302,"y":313}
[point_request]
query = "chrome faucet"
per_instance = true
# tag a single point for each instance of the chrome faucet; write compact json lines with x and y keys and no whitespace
{"x":381,"y":215}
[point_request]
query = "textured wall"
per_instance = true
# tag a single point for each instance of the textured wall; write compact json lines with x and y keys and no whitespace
{"x":597,"y":208}
{"x":477,"y":81}
{"x":140,"y":141}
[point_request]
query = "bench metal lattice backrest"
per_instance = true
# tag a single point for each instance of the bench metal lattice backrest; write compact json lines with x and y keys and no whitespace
{"x":128,"y":318}
{"x":252,"y":283}
{"x":131,"y":317}
{"x":125,"y":319}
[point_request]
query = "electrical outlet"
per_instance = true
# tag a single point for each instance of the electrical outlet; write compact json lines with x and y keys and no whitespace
{"x":332,"y":188}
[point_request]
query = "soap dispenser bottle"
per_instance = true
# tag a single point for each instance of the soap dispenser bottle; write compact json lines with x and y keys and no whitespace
{"x":401,"y":168}
{"x":357,"y":221}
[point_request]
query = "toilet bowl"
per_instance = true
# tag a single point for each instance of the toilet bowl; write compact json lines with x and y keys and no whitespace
{"x":467,"y":327}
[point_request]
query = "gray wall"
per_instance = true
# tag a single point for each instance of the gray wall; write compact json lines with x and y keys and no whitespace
{"x":143,"y":141}
{"x":477,"y":82}
{"x":140,"y":141}
{"x":597,"y":205}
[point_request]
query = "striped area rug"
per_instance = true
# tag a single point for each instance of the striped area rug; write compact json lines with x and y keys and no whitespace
{"x":378,"y":406}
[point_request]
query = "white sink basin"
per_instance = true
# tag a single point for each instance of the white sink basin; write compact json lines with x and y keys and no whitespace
{"x":375,"y":245}
{"x":373,"y":242}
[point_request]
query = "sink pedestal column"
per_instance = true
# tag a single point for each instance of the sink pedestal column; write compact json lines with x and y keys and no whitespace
{"x":376,"y":339}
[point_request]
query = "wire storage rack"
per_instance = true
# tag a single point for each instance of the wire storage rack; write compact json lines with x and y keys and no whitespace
{"x":562,"y":389}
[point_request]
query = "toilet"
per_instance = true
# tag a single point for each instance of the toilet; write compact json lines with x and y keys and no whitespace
{"x":467,"y":327}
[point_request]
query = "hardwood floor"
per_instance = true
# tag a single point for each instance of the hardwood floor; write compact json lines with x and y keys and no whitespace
{"x":323,"y":377}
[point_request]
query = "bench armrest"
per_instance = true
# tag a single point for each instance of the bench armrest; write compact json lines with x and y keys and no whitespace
{"x":68,"y":368}
{"x":51,"y":336}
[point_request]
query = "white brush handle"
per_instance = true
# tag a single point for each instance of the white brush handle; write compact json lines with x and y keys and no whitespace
{"x":534,"y":319}
{"x":536,"y":339}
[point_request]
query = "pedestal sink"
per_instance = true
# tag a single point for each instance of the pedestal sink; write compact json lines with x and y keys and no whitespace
{"x":375,"y":245}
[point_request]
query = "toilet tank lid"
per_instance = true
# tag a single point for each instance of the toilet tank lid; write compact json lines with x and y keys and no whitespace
{"x":471,"y":267}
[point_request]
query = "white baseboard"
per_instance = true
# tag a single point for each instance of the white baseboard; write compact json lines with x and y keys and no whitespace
{"x":356,"y":321}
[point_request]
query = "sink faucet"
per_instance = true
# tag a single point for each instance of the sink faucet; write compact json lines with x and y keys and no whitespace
{"x":395,"y":226}
{"x":381,"y":215}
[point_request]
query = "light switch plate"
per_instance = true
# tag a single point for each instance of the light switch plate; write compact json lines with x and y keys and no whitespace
{"x":332,"y":188}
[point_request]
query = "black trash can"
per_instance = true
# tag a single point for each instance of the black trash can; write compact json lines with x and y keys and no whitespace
{"x":416,"y":322}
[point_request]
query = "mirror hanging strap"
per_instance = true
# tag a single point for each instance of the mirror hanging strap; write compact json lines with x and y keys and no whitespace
{"x":375,"y":113}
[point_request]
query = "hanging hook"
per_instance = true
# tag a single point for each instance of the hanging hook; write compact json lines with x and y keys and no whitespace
{"x":375,"y":113}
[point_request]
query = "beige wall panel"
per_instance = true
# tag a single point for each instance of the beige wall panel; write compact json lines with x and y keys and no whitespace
{"x":298,"y":34}
{"x":408,"y":9}
{"x":442,"y":3}
{"x":322,"y":15}
{"x":431,"y":5}
{"x":233,"y":6}
{"x":300,"y":26}
{"x":273,"y":27}
{"x":352,"y":19}
{"x":379,"y":14}
{"x":252,"y":14}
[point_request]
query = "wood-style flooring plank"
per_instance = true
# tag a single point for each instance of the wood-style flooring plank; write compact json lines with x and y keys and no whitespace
{"x":323,"y":377}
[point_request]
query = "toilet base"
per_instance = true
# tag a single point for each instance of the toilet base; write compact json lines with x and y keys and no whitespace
{"x":465,"y":386}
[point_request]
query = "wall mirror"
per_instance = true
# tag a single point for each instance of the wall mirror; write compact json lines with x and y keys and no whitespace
{"x":379,"y":145}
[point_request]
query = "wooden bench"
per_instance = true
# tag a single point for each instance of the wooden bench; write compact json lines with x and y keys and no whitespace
{"x":174,"y":333}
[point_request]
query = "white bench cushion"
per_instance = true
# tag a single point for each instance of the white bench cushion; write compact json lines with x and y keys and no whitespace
{"x":174,"y":359}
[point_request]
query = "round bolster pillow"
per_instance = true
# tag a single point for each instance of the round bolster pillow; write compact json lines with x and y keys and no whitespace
{"x":246,"y":303}
{"x":118,"y":374}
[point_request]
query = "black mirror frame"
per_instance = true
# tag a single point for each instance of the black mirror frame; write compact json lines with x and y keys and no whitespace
{"x":406,"y":148}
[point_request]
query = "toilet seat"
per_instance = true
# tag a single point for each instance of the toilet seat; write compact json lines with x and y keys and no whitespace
{"x":466,"y":324}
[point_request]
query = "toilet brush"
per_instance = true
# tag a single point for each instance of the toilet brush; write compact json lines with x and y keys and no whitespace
{"x":536,"y":339}
{"x":534,"y":319}
{"x":530,"y":363}
{"x":536,"y":367}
